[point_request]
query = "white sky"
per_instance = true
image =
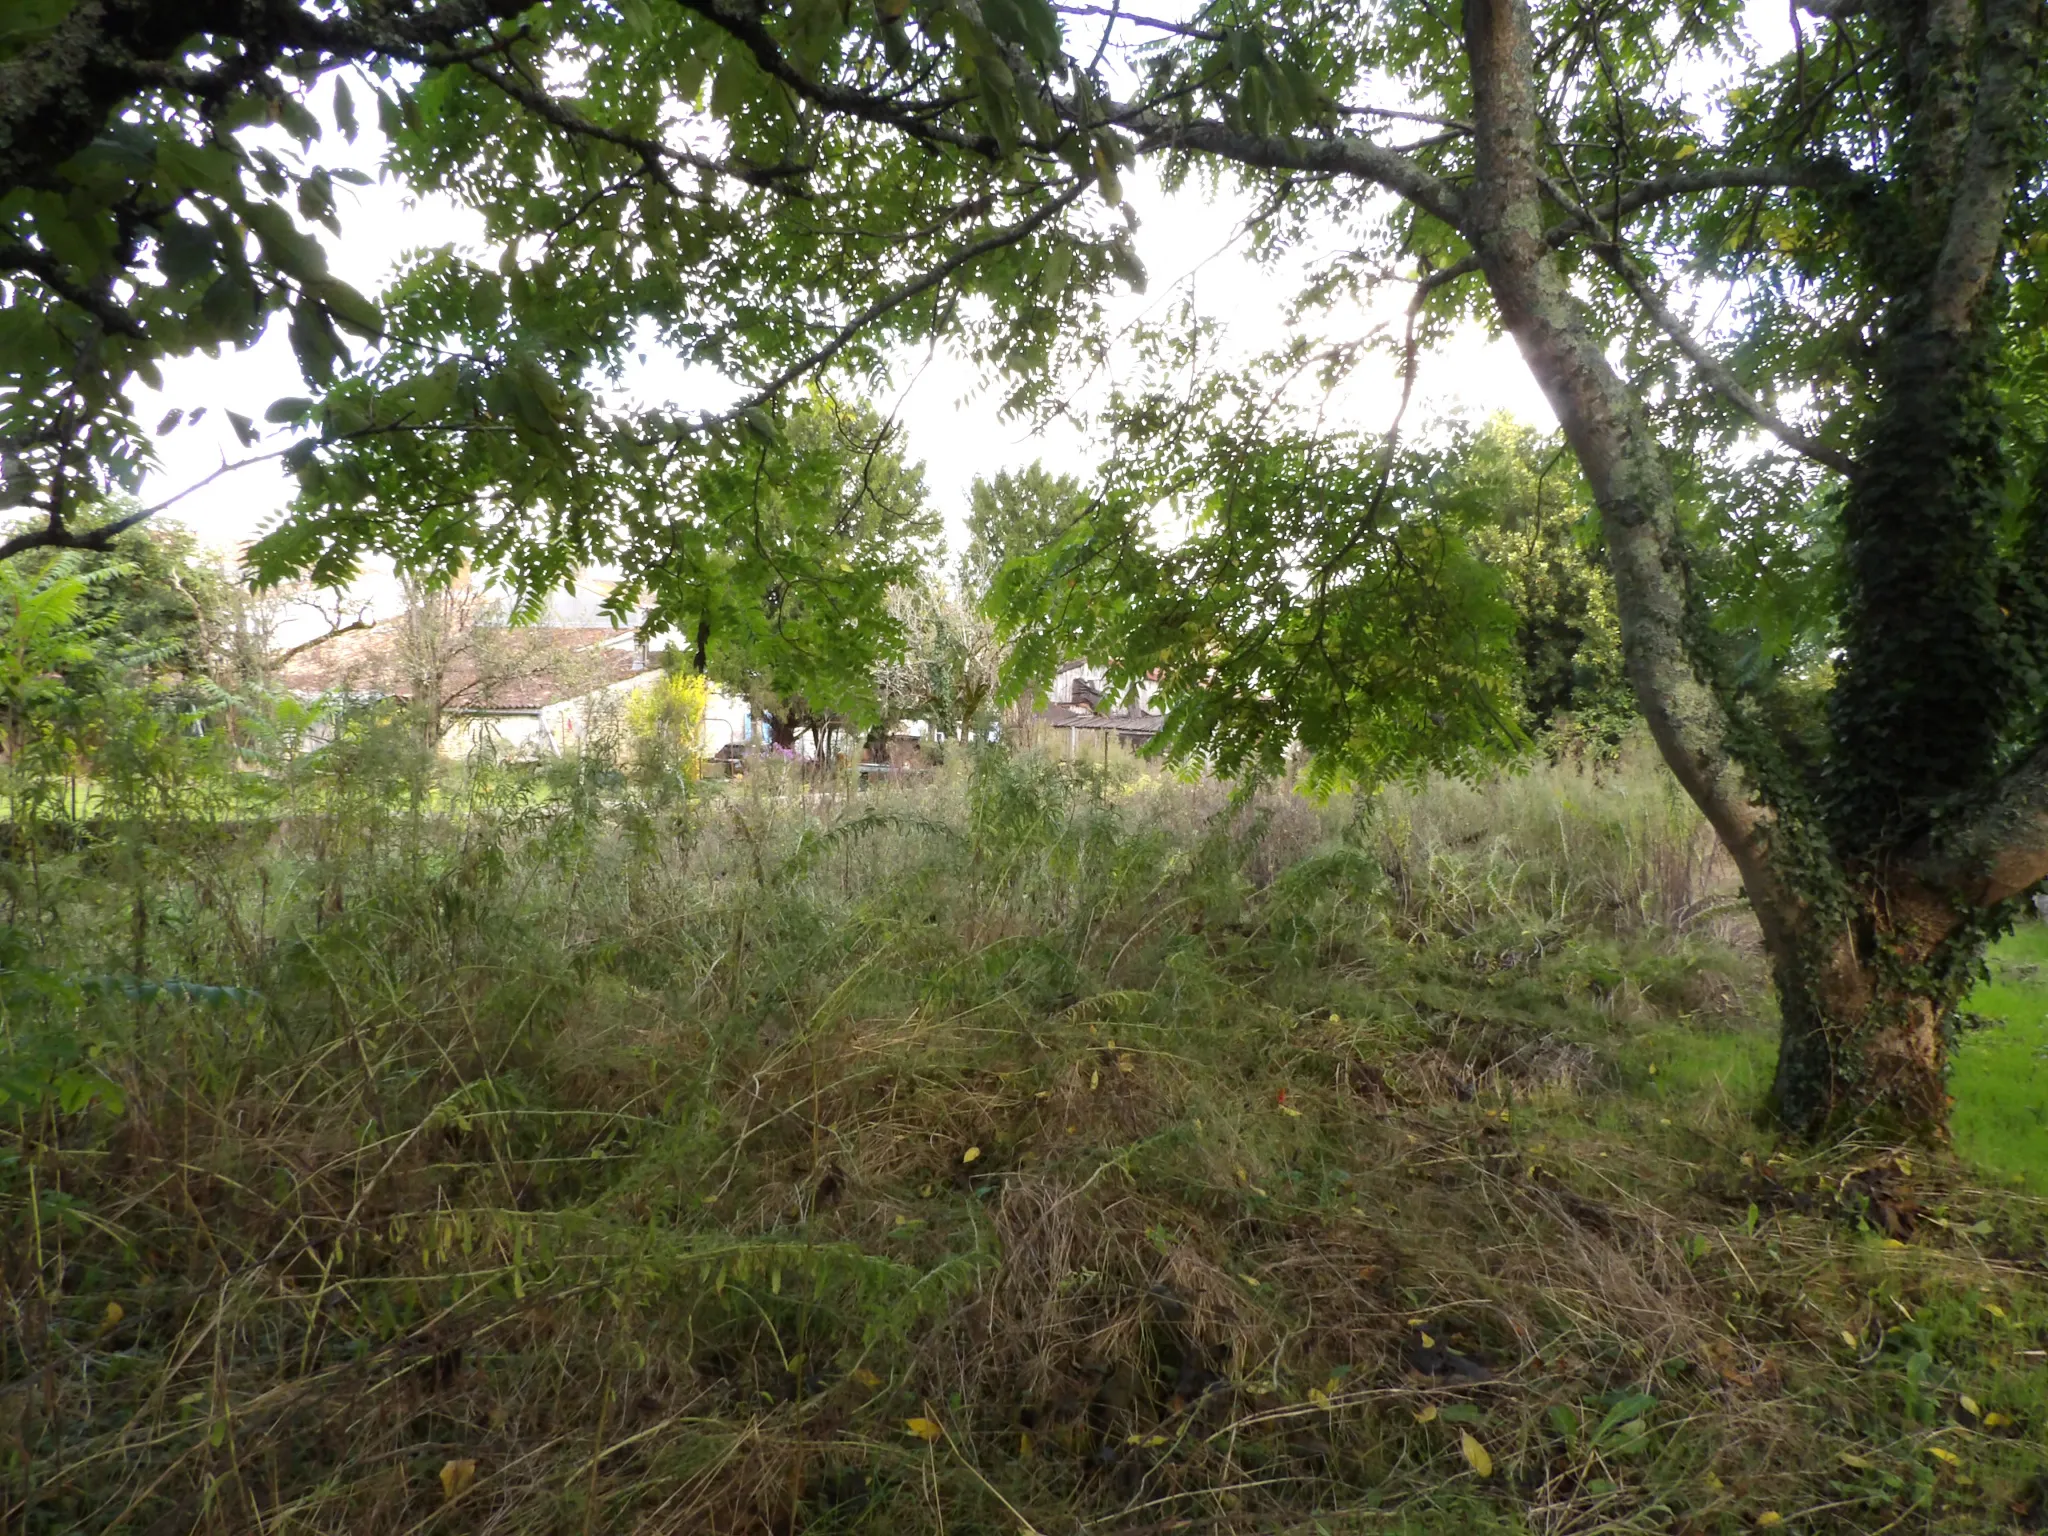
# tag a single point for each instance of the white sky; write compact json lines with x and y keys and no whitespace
{"x":952,"y":425}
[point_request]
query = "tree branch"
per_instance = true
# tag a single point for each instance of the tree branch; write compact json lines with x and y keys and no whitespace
{"x":1597,"y":221}
{"x":743,"y":23}
{"x":896,"y":297}
{"x":1617,"y":448}
{"x":2000,"y":852}
{"x":1662,"y":189}
{"x":1719,"y":377}
{"x":16,"y":257}
{"x":318,"y":640}
{"x":54,"y":534}
{"x":1340,"y":155}
{"x":1977,"y":213}
{"x":653,"y":154}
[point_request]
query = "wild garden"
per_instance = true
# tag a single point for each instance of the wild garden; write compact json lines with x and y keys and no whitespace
{"x":1547,"y":1034}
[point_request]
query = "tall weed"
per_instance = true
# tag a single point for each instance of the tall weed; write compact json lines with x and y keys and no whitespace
{"x":1041,"y":1145}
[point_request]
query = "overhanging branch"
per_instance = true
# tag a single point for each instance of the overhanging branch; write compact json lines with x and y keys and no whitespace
{"x":1718,"y":376}
{"x":56,"y":534}
{"x":1340,"y":155}
{"x":1606,"y":241}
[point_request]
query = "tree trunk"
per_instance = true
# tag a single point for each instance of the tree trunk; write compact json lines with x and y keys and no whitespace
{"x":1866,"y":971}
{"x":1867,"y":1009}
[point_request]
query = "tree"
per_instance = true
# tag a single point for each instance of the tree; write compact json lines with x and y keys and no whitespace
{"x":1576,"y":174}
{"x":1016,"y":514}
{"x":836,"y":521}
{"x":1532,"y":522}
{"x":951,"y":669}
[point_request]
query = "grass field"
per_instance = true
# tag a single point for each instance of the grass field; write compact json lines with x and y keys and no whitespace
{"x":2001,"y":1073}
{"x":1037,"y":1149}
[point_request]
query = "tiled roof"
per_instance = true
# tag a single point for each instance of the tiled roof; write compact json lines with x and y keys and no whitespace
{"x":518,"y":669}
{"x":1132,"y":721}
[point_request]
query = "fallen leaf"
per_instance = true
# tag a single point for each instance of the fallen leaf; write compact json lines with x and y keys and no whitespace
{"x":1996,"y":1420}
{"x":862,"y":1376}
{"x":926,"y":1430}
{"x":1769,"y":1518}
{"x":111,"y":1317}
{"x":1943,"y":1453}
{"x":970,"y":1154}
{"x":456,"y":1476}
{"x":1969,"y":1406}
{"x":1475,"y":1455}
{"x":1290,"y":1111}
{"x":1094,"y":1081}
{"x":1851,"y":1459}
{"x":1426,"y":1415}
{"x":1848,"y":1338}
{"x":1428,"y":1342}
{"x":1251,"y":1280}
{"x":1319,"y":1397}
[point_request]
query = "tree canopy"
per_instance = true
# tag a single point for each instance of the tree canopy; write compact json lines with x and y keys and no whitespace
{"x":1783,"y":306}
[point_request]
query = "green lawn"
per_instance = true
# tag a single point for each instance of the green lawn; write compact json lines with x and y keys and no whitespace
{"x":2001,"y":1073}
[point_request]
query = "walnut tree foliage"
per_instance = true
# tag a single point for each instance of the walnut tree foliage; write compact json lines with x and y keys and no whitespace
{"x":1785,"y":308}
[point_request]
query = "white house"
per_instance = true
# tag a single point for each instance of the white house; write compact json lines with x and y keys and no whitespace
{"x":533,"y":692}
{"x":1092,"y":683}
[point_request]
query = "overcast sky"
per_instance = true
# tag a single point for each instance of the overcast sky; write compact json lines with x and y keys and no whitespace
{"x":1185,"y":240}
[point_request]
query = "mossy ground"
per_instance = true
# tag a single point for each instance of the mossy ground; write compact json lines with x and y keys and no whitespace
{"x":1040,"y":1150}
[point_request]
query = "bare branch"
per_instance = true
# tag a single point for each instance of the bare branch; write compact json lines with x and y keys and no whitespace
{"x":1177,"y":28}
{"x":318,"y":640}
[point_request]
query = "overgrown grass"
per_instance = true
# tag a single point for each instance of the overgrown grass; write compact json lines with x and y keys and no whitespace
{"x":1039,"y":1148}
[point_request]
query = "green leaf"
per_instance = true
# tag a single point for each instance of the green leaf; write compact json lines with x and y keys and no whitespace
{"x":344,"y":109}
{"x":298,"y":122}
{"x":1030,"y":24}
{"x":1105,"y":177}
{"x":291,"y":248}
{"x":349,"y":307}
{"x":1626,"y":1411}
{"x":760,"y":426}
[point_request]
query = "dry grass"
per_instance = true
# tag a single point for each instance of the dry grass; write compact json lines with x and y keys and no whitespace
{"x":597,"y":1166}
